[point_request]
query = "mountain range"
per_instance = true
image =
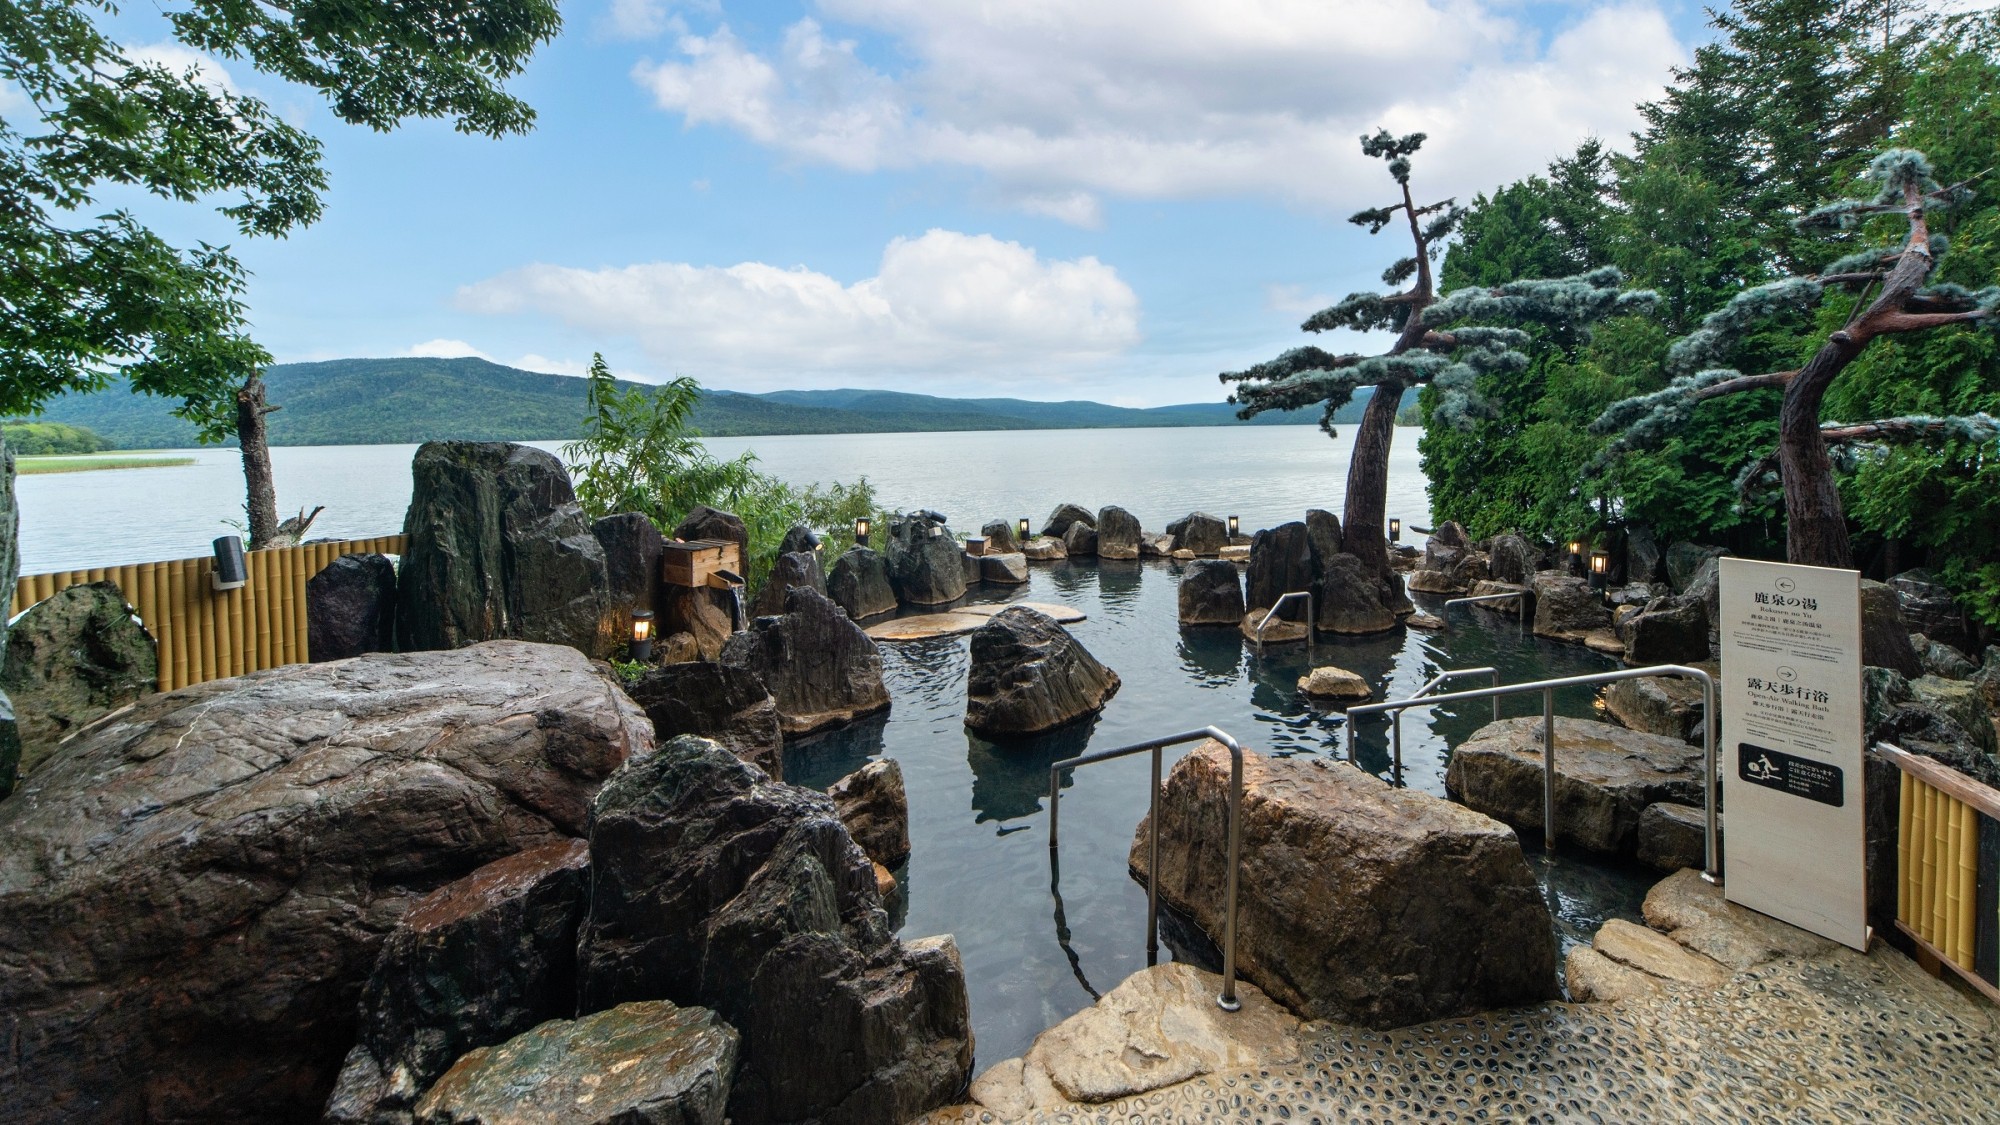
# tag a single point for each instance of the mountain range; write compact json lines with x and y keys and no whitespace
{"x":391,"y":401}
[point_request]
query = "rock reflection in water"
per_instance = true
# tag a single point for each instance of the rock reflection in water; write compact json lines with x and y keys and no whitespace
{"x":1010,"y":779}
{"x":817,"y":761}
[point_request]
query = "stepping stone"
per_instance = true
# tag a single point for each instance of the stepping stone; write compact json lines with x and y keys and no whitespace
{"x":1591,"y":975}
{"x":1279,"y":631}
{"x":1063,"y":615}
{"x":1329,"y":682}
{"x":926,"y":626}
{"x":1656,"y":954}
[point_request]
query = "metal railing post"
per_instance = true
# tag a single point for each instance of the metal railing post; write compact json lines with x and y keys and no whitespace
{"x":1521,"y":607}
{"x":1312,"y":625}
{"x":1711,"y":848}
{"x":1153,"y":866}
{"x":1396,"y":717}
{"x":1228,"y":1001}
{"x":1549,"y":769}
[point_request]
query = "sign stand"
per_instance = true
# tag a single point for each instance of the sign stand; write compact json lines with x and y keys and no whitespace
{"x":1792,"y":761}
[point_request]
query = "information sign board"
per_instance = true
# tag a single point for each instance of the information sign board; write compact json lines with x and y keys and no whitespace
{"x":1791,"y":728}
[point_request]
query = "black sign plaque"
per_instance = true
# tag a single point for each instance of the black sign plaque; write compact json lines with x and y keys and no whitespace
{"x":1789,"y":773}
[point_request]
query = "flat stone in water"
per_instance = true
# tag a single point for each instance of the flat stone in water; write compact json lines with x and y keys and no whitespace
{"x":1063,"y":615}
{"x":961,"y":620}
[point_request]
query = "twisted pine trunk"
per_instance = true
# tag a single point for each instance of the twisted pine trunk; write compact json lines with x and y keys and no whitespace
{"x":1364,"y":526}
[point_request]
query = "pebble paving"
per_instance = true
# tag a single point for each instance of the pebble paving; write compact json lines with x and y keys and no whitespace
{"x":1835,"y":1038}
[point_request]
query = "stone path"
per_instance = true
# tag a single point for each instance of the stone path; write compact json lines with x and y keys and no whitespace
{"x":1832,"y":1036}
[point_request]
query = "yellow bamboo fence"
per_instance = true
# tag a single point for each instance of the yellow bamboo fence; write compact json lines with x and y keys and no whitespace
{"x":207,"y":634}
{"x":1948,"y":868}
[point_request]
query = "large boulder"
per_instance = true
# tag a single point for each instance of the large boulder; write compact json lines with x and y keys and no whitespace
{"x":1510,"y":558}
{"x":1668,"y":631}
{"x":351,"y":608}
{"x":10,"y":571}
{"x":1353,"y":599}
{"x":496,"y":546}
{"x":194,"y":892}
{"x":1080,"y":541}
{"x":1605,"y":777}
{"x":1280,"y":563}
{"x":1118,"y":534}
{"x":1929,"y":608}
{"x":1029,"y":675}
{"x":799,"y":540}
{"x":632,"y":551}
{"x":704,"y":522}
{"x":645,"y":1063}
{"x":876,"y":810}
{"x":474,"y":963}
{"x":1201,"y":533}
{"x":1450,"y":533}
{"x":1323,"y":537}
{"x":1885,"y":636}
{"x":860,"y":585}
{"x":714,"y":885}
{"x":1211,"y":593}
{"x":708,"y":615}
{"x":1448,"y":568}
{"x":1010,"y":569}
{"x":1644,"y":560}
{"x":70,"y":659}
{"x":1684,"y":559}
{"x":820,"y":667}
{"x":716,"y":701}
{"x":1940,"y":659}
{"x":1959,"y":701}
{"x":1667,"y":705}
{"x":1065,"y":515}
{"x":1358,"y":902}
{"x":926,"y":564}
{"x":1567,"y":608}
{"x":797,"y":568}
{"x":1000,"y":537}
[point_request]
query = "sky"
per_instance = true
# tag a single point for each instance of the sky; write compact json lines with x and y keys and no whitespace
{"x":1101,"y":199}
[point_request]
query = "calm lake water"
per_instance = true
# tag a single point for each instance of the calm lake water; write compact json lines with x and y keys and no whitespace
{"x":978,"y":818}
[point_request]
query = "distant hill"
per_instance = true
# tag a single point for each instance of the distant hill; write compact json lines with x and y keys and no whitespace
{"x":391,"y":401}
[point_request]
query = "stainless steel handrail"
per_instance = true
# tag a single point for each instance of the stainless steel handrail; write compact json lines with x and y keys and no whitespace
{"x":1396,"y":717}
{"x":1548,"y":688}
{"x":1521,"y":606}
{"x":1279,"y":604}
{"x":1227,"y":1001}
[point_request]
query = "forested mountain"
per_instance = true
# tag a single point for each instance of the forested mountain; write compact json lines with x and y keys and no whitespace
{"x":384,"y":401}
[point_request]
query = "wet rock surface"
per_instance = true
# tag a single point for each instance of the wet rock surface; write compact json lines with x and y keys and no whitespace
{"x":926,"y":562}
{"x":472,"y":964}
{"x":632,"y":551}
{"x":198,"y":888}
{"x":1885,"y":636}
{"x":1683,"y":559}
{"x":1029,"y":675}
{"x":644,"y":1063}
{"x":1568,"y":609}
{"x":1080,"y":541}
{"x":1201,"y":533}
{"x":1669,"y":631}
{"x":1044,"y":549}
{"x":1065,"y":515}
{"x":1673,"y":836}
{"x":351,"y":608}
{"x":1211,"y":593}
{"x":1353,"y":600}
{"x":1000,"y":536}
{"x":1117,"y":534}
{"x":715,"y":886}
{"x":1010,"y":569}
{"x":1927,"y":607}
{"x":1510,"y":558}
{"x":70,"y":659}
{"x":1359,"y":902}
{"x":799,"y":568}
{"x":704,"y":522}
{"x":716,"y":701}
{"x":1605,"y":777}
{"x":1667,"y":705}
{"x":1330,"y":682}
{"x":820,"y":667}
{"x":860,"y":585}
{"x":1280,"y":563}
{"x":875,"y":808}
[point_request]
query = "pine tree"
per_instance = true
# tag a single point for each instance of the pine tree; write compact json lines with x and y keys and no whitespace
{"x":1903,"y":301}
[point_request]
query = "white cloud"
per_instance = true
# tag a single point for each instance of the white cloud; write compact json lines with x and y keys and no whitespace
{"x":447,"y":349}
{"x":942,"y":302}
{"x":1061,"y":102}
{"x":180,"y":59}
{"x":443,"y":348}
{"x":641,"y":19}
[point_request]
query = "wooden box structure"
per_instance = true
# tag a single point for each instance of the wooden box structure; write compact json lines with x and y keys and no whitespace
{"x":700,"y":562}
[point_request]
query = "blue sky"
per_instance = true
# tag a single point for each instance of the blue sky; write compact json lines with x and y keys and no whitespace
{"x":1111,"y":199}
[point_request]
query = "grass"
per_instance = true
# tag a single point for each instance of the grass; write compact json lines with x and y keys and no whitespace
{"x":88,"y":462}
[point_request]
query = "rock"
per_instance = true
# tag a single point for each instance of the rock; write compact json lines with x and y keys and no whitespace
{"x":1280,"y":563}
{"x":350,"y":608}
{"x":1885,"y":636}
{"x":1358,"y":902}
{"x":1448,"y":569}
{"x":926,"y":563}
{"x":1276,"y":630}
{"x":1329,"y":682}
{"x":1510,"y":559}
{"x":1567,"y":608}
{"x":795,"y":569}
{"x":632,"y":549}
{"x":1591,"y":975}
{"x":495,"y":546}
{"x":1644,"y":561}
{"x":1605,"y":777}
{"x":925,"y":626}
{"x":1004,"y":570}
{"x":708,"y":616}
{"x":1450,"y":533}
{"x":1211,"y":593}
{"x":1604,"y":640}
{"x":1029,"y":675}
{"x":872,"y":804}
{"x":194,"y":892}
{"x":1235,"y":552}
{"x":714,"y":885}
{"x":1693,"y":912}
{"x":1155,"y":545}
{"x":1673,"y":836}
{"x":1424,"y":621}
{"x":1929,"y":608}
{"x":1684,"y":558}
{"x":1000,"y":537}
{"x":1404,"y":558}
{"x":10,"y":572}
{"x":722,"y":702}
{"x":1044,"y":549}
{"x":1634,"y":595}
{"x":822,"y":670}
{"x":71,"y":659}
{"x":1676,"y":632}
{"x":644,"y":1063}
{"x":799,"y":540}
{"x":1353,"y":600}
{"x":1201,"y":533}
{"x":1118,"y":534}
{"x":474,"y":963}
{"x":971,"y":564}
{"x":704,"y":522}
{"x":1080,"y":541}
{"x":1066,"y":515}
{"x":1987,"y":679}
{"x":1656,"y":954}
{"x":1664,"y":705}
{"x":1322,"y":538}
{"x":1962,"y":704}
{"x":859,"y":584}
{"x":1942,"y":660}
{"x":1882,"y":691}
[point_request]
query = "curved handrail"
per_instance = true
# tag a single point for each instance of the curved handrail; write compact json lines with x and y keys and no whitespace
{"x":1227,"y":1001}
{"x":1311,"y":624}
{"x":1519,"y":597}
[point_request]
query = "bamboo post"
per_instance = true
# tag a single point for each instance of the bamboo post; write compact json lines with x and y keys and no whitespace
{"x":1967,"y":937}
{"x":177,"y":627}
{"x":1905,"y":854}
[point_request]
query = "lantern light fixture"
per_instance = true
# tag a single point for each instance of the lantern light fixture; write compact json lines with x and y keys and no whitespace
{"x":861,"y":531}
{"x":232,"y":570}
{"x":1232,"y":527}
{"x":1395,"y":530}
{"x":641,"y":648}
{"x":1024,"y":529}
{"x":1600,"y":566}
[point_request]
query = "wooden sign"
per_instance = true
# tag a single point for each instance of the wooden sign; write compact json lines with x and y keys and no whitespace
{"x":1792,"y":741}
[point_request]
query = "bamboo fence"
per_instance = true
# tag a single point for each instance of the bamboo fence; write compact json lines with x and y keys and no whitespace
{"x":1943,"y":897}
{"x":202,"y":633}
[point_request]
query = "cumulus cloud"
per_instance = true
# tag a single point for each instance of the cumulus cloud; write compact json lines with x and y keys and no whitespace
{"x":181,"y":59}
{"x":1060,"y":103}
{"x":444,"y":348}
{"x":447,"y":349}
{"x":946,"y":301}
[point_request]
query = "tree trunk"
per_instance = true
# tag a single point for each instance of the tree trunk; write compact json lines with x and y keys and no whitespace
{"x":1815,"y":521}
{"x":1363,"y":530}
{"x":262,"y":494}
